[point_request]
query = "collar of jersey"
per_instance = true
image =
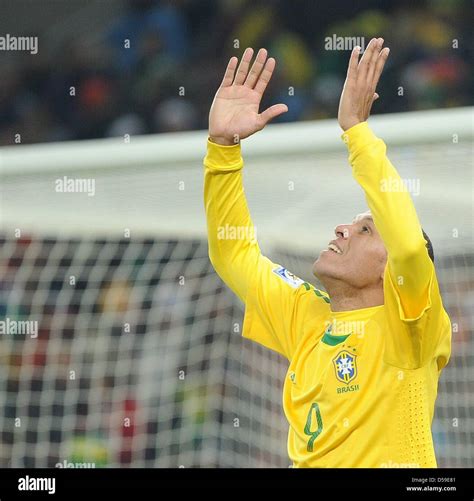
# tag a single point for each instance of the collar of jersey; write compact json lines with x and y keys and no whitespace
{"x":362,"y":314}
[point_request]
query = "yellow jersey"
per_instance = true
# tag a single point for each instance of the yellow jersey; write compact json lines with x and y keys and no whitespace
{"x":361,"y":385}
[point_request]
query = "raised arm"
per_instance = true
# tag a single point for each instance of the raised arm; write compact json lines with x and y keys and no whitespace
{"x":394,"y":214}
{"x":234,"y":115}
{"x":278,"y":305}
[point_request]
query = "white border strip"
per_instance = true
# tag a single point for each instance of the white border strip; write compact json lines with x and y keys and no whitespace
{"x":189,"y":147}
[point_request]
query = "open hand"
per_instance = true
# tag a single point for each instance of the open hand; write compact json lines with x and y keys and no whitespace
{"x":358,"y":93}
{"x":234,"y":112}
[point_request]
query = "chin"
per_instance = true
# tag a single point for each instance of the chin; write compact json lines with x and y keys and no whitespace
{"x":321,"y":269}
{"x":315,"y":268}
{"x":325,"y":268}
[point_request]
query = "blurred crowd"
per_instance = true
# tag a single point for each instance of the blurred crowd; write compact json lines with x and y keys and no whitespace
{"x":156,"y":65}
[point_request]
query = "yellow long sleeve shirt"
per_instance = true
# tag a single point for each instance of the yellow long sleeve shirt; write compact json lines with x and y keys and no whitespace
{"x":361,"y":399}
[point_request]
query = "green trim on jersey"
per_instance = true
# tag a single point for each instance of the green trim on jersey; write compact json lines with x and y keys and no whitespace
{"x":332,"y":340}
{"x":318,"y":293}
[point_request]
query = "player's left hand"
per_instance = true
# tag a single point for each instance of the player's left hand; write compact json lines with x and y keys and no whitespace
{"x":358,"y":93}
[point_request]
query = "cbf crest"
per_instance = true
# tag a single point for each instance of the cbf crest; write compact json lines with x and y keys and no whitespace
{"x":346,"y":366}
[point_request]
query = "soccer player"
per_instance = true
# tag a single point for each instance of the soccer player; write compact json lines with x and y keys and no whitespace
{"x":365,"y":356}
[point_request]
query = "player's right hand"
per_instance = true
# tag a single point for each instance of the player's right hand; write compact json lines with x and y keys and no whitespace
{"x":358,"y":93}
{"x":234,"y":112}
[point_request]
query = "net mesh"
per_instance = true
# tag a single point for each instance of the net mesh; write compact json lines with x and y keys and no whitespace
{"x":136,"y":360}
{"x":148,"y":368}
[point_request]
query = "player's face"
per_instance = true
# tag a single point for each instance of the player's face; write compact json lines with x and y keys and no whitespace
{"x":357,"y":255}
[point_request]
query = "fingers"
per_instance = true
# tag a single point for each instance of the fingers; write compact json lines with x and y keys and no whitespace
{"x":229,"y":72}
{"x":379,"y":65}
{"x":272,"y":112}
{"x":365,"y":61}
{"x":373,"y":60}
{"x":256,"y":69}
{"x":243,"y":67}
{"x":353,"y":64}
{"x":372,"y":63}
{"x":265,"y":76}
{"x":259,"y":75}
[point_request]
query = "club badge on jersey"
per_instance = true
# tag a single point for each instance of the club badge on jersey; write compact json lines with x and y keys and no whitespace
{"x":346,"y":366}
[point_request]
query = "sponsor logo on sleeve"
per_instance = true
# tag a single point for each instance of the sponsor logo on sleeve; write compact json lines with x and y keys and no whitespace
{"x":288,"y":277}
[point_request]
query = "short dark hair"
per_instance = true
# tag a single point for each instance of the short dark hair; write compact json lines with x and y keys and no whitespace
{"x":429,"y":245}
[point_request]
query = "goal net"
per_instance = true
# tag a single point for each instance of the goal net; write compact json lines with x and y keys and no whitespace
{"x":120,"y":346}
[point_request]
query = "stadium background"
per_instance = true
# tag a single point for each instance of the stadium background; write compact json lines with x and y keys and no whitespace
{"x":181,"y":387}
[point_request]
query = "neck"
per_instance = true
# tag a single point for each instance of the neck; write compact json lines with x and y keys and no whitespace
{"x":345,"y":297}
